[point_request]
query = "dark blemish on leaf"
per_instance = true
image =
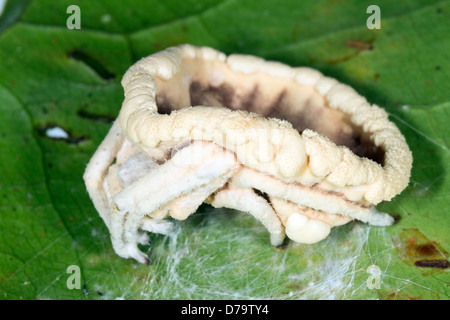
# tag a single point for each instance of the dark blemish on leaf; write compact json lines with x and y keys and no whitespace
{"x":376,"y":77}
{"x":427,"y":249}
{"x":71,"y":139}
{"x":397,"y":295}
{"x":94,"y":64}
{"x":101,"y":294}
{"x":104,"y":118}
{"x":438,"y":68}
{"x":396,"y":217}
{"x":360,"y":45}
{"x":438,"y":263}
{"x":438,"y":10}
{"x":414,"y":248}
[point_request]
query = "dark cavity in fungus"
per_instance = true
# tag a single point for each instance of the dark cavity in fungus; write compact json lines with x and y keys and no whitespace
{"x":213,"y":83}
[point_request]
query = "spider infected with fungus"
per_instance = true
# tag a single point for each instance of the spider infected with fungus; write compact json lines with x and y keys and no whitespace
{"x":297,"y":150}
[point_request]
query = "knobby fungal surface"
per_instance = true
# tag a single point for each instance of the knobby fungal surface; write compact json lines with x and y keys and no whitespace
{"x":297,"y":150}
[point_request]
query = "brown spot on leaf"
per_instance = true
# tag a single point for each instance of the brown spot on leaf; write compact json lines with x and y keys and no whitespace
{"x":407,"y":294}
{"x":360,"y":45}
{"x":396,"y":217}
{"x":427,"y":249}
{"x":415,"y":249}
{"x":442,"y":264}
{"x":398,"y":295}
{"x":376,"y":76}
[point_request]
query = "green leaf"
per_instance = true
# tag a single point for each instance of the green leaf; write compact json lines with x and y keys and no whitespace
{"x":54,"y":77}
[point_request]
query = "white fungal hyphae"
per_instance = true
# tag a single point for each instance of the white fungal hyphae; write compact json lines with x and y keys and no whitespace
{"x":299,"y":151}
